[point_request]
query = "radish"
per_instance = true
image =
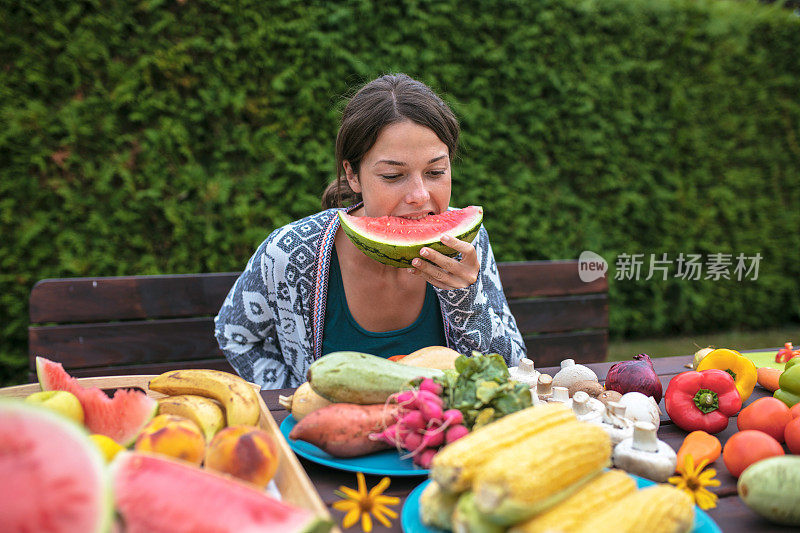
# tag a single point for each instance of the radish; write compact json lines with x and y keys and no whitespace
{"x":412,"y":441}
{"x":432,"y":412}
{"x":430,"y":405}
{"x":407,"y":398}
{"x":424,"y":396}
{"x":391,"y":435}
{"x":413,"y":420}
{"x":433,"y":439}
{"x":425,"y":458}
{"x":455,"y":433}
{"x":453,"y":416}
{"x":431,"y":386}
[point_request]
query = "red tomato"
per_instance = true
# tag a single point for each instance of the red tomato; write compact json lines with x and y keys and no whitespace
{"x":795,"y":410}
{"x":748,"y":447}
{"x":768,"y":414}
{"x":792,"y":435}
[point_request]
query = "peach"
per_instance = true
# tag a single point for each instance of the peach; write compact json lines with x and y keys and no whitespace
{"x":245,"y":452}
{"x":174,"y":436}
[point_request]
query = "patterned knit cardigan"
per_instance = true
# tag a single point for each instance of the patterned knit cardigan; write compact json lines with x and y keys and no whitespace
{"x":271,"y":323}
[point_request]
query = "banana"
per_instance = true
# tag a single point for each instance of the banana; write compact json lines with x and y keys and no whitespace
{"x":238,"y":397}
{"x":203,"y":411}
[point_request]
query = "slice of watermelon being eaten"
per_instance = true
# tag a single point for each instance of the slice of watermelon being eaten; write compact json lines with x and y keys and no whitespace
{"x":121,"y":417}
{"x":395,"y":241}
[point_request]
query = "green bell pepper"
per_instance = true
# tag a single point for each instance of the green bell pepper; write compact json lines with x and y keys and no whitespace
{"x":791,"y":362}
{"x":789,"y":383}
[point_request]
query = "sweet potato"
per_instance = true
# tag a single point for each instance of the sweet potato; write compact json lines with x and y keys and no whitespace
{"x":342,"y":429}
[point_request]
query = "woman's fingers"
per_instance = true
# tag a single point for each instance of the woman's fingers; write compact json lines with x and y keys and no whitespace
{"x":434,"y":275}
{"x":445,"y":272}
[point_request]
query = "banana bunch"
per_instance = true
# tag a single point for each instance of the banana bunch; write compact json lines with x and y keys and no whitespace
{"x":210,"y":398}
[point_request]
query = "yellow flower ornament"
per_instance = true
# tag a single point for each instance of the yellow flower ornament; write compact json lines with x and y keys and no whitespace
{"x":361,"y":503}
{"x":694,"y":481}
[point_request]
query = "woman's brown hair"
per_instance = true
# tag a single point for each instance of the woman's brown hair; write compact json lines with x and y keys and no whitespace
{"x":384,"y":101}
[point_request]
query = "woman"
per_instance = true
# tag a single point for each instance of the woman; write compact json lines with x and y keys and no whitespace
{"x":308,"y":290}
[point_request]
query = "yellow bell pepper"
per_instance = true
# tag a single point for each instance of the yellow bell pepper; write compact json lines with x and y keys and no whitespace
{"x":738,"y":366}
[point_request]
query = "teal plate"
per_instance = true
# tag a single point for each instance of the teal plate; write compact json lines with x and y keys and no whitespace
{"x":411,"y":523}
{"x":386,"y":463}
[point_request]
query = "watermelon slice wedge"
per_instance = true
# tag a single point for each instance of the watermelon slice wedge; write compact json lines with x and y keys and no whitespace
{"x":122,"y":417}
{"x":156,"y":494}
{"x":395,"y":241}
{"x":53,"y":477}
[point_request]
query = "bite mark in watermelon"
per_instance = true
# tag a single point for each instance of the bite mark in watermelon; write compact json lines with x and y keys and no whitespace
{"x":53,"y":476}
{"x":155,"y":494}
{"x":122,"y":417}
{"x":395,"y":241}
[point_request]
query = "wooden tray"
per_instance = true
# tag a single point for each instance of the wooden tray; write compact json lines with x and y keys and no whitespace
{"x":292,"y":481}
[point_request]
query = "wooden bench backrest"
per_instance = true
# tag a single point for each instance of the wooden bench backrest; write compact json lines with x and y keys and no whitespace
{"x":150,"y":324}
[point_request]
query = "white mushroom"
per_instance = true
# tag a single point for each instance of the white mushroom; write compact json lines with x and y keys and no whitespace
{"x":571,"y":373}
{"x":644,"y":455}
{"x":561,"y":395}
{"x":641,"y":408}
{"x":588,"y":409}
{"x":544,"y":388}
{"x":615,"y":424}
{"x":524,"y":373}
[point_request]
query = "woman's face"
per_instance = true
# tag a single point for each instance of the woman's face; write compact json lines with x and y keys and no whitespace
{"x":406,"y":173}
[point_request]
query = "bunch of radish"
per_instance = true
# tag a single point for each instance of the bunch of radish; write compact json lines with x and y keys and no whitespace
{"x":424,"y":425}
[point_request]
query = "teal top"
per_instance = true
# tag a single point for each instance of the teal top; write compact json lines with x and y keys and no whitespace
{"x":342,"y":332}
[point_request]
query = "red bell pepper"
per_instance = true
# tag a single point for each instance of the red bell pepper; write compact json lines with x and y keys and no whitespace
{"x":702,"y":400}
{"x":786,"y":353}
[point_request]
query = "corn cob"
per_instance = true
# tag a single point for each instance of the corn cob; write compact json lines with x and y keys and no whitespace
{"x":436,"y":506}
{"x":567,"y":516}
{"x":536,"y":473}
{"x":655,"y":509}
{"x":455,"y":465}
{"x":467,"y":518}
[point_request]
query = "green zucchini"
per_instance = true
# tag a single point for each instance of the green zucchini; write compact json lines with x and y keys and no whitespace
{"x":770,"y":488}
{"x":353,"y":377}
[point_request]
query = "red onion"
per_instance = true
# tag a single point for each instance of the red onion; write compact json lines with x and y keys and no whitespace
{"x":635,"y":376}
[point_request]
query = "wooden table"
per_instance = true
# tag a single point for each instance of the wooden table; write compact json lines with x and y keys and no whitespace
{"x":730,"y":514}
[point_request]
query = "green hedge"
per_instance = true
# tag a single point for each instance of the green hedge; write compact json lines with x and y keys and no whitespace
{"x":172,"y":136}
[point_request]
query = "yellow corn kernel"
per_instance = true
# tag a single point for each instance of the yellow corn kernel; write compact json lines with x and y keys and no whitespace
{"x":656,"y":509}
{"x":540,"y":471}
{"x":455,"y":465}
{"x":568,"y":515}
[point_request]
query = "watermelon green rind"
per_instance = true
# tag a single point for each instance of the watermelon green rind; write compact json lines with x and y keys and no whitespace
{"x":121,"y":418}
{"x":91,"y":478}
{"x":382,"y":249}
{"x":154,"y":494}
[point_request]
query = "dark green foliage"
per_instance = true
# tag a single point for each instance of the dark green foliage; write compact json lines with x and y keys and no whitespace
{"x":172,"y":136}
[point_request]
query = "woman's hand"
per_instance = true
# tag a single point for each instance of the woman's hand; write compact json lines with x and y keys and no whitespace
{"x":446,"y":272}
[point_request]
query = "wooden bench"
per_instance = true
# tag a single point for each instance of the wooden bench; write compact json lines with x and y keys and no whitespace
{"x":150,"y":324}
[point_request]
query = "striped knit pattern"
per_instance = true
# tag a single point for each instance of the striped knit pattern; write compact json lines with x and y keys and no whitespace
{"x":321,"y":284}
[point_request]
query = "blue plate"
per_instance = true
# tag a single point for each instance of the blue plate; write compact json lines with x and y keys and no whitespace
{"x":411,"y":523}
{"x":386,"y":463}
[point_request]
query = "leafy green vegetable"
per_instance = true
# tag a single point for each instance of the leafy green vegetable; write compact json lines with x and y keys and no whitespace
{"x":481,"y":390}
